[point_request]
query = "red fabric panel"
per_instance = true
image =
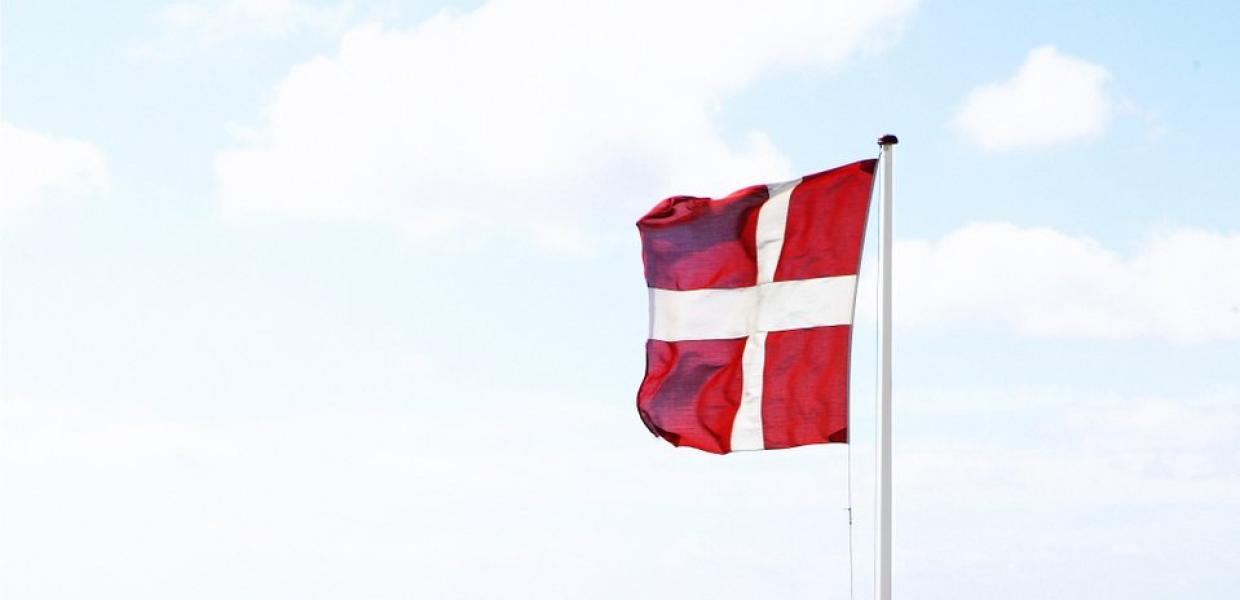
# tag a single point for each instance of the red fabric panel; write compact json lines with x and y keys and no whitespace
{"x":805,"y":387}
{"x":826,"y":223}
{"x":694,"y":243}
{"x":691,"y":391}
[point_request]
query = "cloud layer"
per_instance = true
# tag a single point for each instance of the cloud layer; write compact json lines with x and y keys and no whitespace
{"x":39,"y":168}
{"x":505,"y":121}
{"x":221,"y":20}
{"x":1053,"y":98}
{"x":1181,"y":285}
{"x":546,"y":497}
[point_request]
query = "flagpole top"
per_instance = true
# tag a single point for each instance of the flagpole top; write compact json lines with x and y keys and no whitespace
{"x":888,"y":140}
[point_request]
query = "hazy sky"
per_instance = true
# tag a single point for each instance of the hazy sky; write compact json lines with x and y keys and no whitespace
{"x":319,"y":300}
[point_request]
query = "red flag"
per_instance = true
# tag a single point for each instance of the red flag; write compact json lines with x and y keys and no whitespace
{"x":751,"y":307}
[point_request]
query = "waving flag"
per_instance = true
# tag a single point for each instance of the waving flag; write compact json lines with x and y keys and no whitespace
{"x":751,"y":308}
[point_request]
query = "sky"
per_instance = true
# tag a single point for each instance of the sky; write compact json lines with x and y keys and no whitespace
{"x":345,"y":300}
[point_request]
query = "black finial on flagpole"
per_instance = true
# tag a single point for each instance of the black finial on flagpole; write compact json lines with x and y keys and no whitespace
{"x":888,"y":140}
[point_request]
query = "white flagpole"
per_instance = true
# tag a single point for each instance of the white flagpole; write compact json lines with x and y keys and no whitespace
{"x":882,"y":568}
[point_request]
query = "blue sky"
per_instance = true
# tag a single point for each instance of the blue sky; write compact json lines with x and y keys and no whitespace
{"x":329,"y":300}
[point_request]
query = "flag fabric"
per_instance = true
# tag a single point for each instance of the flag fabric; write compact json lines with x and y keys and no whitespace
{"x":751,"y":309}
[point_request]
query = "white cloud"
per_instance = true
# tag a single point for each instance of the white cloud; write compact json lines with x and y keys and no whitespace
{"x":39,"y":168}
{"x":1053,"y":98}
{"x":541,"y":493}
{"x":1181,"y":285}
{"x":418,"y":364}
{"x":551,"y":496}
{"x":216,"y":21}
{"x":1091,"y":453}
{"x":522,"y":119}
{"x":1140,"y":486}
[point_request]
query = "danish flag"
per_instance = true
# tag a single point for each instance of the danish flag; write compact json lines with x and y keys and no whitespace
{"x":751,"y":310}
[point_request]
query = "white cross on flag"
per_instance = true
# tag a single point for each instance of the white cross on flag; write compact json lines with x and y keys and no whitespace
{"x":751,"y":308}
